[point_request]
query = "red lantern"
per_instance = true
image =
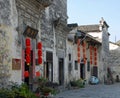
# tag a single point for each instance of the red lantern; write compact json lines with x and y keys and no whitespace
{"x":78,"y":48}
{"x":78,"y":42}
{"x":39,"y":60}
{"x":27,"y":41}
{"x":84,"y":44}
{"x":95,"y":58}
{"x":39,"y":52}
{"x":28,"y":59}
{"x":95,"y":63}
{"x":37,"y":74}
{"x":39,"y":46}
{"x":95,"y":54}
{"x":27,"y":50}
{"x":26,"y":74}
{"x":95,"y":49}
{"x":90,"y":62}
{"x":78,"y":54}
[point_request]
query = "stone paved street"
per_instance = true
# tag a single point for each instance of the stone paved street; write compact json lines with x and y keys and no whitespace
{"x":93,"y":91}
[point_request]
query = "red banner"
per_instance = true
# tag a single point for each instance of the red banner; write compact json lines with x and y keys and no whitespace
{"x":78,"y":50}
{"x":95,"y":56}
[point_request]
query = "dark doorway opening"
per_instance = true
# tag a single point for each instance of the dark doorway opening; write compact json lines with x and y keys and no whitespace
{"x":49,"y":66}
{"x":82,"y":70}
{"x":61,"y":71}
{"x":29,"y":68}
{"x":95,"y":71}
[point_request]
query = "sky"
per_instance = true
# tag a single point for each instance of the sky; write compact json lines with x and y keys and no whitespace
{"x":85,"y":12}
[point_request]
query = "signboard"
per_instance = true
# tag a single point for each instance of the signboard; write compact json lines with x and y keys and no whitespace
{"x":16,"y":64}
{"x":30,"y":32}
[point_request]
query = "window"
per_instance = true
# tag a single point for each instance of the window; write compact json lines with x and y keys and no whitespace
{"x":76,"y":65}
{"x":69,"y":57}
{"x":69,"y":68}
{"x":88,"y":66}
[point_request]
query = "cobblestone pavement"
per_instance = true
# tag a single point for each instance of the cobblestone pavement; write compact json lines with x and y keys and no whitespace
{"x":93,"y":91}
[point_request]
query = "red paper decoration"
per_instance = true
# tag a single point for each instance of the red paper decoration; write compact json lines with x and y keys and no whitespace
{"x":91,"y":56}
{"x":78,"y":54}
{"x":39,"y":52}
{"x":39,"y":60}
{"x":39,"y":45}
{"x":27,"y":41}
{"x":28,"y":50}
{"x":26,"y":74}
{"x":28,"y":59}
{"x":95,"y":56}
{"x":84,"y":52}
{"x":37,"y":74}
{"x":78,"y":42}
{"x":78,"y":50}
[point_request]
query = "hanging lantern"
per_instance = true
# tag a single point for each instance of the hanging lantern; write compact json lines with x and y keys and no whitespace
{"x":27,"y":50}
{"x":78,"y":54}
{"x":37,"y":74}
{"x":95,"y":49}
{"x":39,"y":46}
{"x":95,"y":63}
{"x":39,"y":60}
{"x":27,"y":41}
{"x":26,"y":74}
{"x":28,"y":59}
{"x":39,"y":52}
{"x":95,"y":58}
{"x":78,"y":42}
{"x":78,"y":49}
{"x":90,"y":62}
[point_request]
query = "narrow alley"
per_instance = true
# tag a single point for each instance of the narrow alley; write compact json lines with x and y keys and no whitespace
{"x":93,"y":91}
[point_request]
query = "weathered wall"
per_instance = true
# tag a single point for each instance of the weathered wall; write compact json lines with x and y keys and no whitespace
{"x":52,"y":34}
{"x":8,"y":24}
{"x":114,"y":59}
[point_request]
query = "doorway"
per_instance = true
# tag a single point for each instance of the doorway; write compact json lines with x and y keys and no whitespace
{"x":82,"y":71}
{"x":95,"y":71}
{"x":29,"y":68}
{"x":61,"y":71}
{"x":49,"y":66}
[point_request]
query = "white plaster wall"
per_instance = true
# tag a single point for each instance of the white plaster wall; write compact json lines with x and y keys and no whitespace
{"x":97,"y":35}
{"x":113,"y":46}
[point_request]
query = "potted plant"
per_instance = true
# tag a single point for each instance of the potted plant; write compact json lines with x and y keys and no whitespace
{"x":46,"y":91}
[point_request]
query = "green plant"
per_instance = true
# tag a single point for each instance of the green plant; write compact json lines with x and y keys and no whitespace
{"x":6,"y":93}
{"x":21,"y":91}
{"x":77,"y":83}
{"x":24,"y":92}
{"x":42,"y":81}
{"x":47,"y":90}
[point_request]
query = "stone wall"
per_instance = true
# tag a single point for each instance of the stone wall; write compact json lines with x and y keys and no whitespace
{"x":114,"y":59}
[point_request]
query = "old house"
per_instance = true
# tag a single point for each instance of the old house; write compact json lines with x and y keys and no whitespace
{"x":83,"y":50}
{"x":100,"y":33}
{"x":33,"y":40}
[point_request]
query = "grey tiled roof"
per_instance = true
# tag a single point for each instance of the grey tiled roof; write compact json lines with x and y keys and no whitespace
{"x":89,"y":28}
